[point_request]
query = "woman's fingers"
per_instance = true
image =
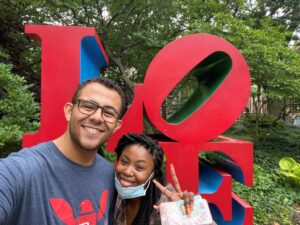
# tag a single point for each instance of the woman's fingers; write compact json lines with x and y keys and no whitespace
{"x":188,"y":198}
{"x":175,"y":179}
{"x":171,"y":195}
{"x":156,"y":207}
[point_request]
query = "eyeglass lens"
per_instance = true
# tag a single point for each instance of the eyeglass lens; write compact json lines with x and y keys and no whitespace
{"x":89,"y":107}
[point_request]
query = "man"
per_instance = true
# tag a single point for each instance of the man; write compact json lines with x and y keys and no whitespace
{"x":65,"y":181}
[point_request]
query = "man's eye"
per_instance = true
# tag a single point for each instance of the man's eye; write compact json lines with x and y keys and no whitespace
{"x":109,"y":114}
{"x":89,"y":107}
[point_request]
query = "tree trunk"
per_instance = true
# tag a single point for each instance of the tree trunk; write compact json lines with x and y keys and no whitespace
{"x":256,"y":106}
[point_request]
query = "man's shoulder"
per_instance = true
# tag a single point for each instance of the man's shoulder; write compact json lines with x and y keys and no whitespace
{"x":41,"y":148}
{"x":104,"y":164}
{"x":27,"y":157}
{"x":22,"y":166}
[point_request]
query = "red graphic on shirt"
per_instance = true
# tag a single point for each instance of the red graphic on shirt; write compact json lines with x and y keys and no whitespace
{"x":87,"y":214}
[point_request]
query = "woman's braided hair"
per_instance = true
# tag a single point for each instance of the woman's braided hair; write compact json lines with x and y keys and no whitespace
{"x":153,"y":193}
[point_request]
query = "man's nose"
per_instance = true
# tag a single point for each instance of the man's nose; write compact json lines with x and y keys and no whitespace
{"x":97,"y":115}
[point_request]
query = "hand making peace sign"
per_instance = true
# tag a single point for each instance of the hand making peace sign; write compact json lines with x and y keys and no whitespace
{"x":188,"y":197}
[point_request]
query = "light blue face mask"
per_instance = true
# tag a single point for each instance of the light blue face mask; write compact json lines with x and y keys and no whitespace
{"x":132,"y":192}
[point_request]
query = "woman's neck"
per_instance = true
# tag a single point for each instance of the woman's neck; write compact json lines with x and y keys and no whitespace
{"x":132,"y":208}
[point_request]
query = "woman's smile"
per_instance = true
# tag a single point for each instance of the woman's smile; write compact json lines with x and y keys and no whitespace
{"x":127,"y":183}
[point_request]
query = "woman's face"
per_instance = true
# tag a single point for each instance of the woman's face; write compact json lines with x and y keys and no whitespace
{"x":135,"y":166}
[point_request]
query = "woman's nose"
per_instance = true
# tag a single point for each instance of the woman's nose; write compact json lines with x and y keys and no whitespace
{"x":128,"y":171}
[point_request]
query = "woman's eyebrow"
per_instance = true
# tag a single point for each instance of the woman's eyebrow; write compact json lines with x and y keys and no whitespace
{"x":124,"y":157}
{"x":141,"y":160}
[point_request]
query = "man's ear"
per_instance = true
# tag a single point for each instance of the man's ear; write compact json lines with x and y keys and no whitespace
{"x":68,"y":111}
{"x":119,"y":124}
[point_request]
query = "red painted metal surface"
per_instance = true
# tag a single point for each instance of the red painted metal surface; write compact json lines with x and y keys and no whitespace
{"x":60,"y":75}
{"x":222,"y":197}
{"x":220,"y":111}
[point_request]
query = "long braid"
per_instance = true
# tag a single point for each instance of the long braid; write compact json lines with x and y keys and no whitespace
{"x":153,"y":194}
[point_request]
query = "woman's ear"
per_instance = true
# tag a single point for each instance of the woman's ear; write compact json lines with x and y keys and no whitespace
{"x":68,"y":110}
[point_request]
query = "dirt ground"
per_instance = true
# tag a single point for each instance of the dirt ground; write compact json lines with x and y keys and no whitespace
{"x":296,"y":215}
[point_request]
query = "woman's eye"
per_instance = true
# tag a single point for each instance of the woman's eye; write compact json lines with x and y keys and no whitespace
{"x":139,"y":168}
{"x":123,"y":162}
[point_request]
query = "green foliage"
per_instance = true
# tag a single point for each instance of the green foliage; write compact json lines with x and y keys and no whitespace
{"x":273,"y":66}
{"x":245,"y":127}
{"x":16,"y":49}
{"x":19,"y":112}
{"x":110,"y":156}
{"x":271,"y":196}
{"x":271,"y":199}
{"x":290,"y":168}
{"x":263,"y":42}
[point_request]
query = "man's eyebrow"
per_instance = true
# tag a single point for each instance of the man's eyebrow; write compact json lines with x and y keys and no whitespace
{"x":106,"y":106}
{"x":111,"y":107}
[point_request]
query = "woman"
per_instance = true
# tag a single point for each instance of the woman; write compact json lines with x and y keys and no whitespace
{"x":140,"y":160}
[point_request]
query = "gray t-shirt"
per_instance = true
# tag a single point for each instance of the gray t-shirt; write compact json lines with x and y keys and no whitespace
{"x":39,"y":186}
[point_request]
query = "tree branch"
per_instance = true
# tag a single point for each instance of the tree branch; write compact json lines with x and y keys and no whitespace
{"x":126,"y":6}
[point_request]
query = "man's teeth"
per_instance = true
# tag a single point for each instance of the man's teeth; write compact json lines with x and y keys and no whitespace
{"x":92,"y":130}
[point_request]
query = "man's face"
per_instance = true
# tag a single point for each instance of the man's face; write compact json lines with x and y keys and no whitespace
{"x":89,"y":132}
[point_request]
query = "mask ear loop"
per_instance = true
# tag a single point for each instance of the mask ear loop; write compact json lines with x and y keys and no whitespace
{"x":148,"y":181}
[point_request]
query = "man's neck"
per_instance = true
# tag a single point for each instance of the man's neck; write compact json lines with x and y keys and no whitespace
{"x":73,"y":151}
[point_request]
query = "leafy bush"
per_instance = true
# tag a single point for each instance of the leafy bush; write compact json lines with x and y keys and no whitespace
{"x":19,"y":112}
{"x":110,"y":156}
{"x":290,"y":168}
{"x":270,"y":198}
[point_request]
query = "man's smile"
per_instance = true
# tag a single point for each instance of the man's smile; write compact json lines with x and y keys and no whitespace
{"x":92,"y":130}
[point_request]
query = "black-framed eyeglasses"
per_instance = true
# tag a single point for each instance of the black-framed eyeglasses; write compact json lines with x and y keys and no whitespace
{"x":89,"y":107}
